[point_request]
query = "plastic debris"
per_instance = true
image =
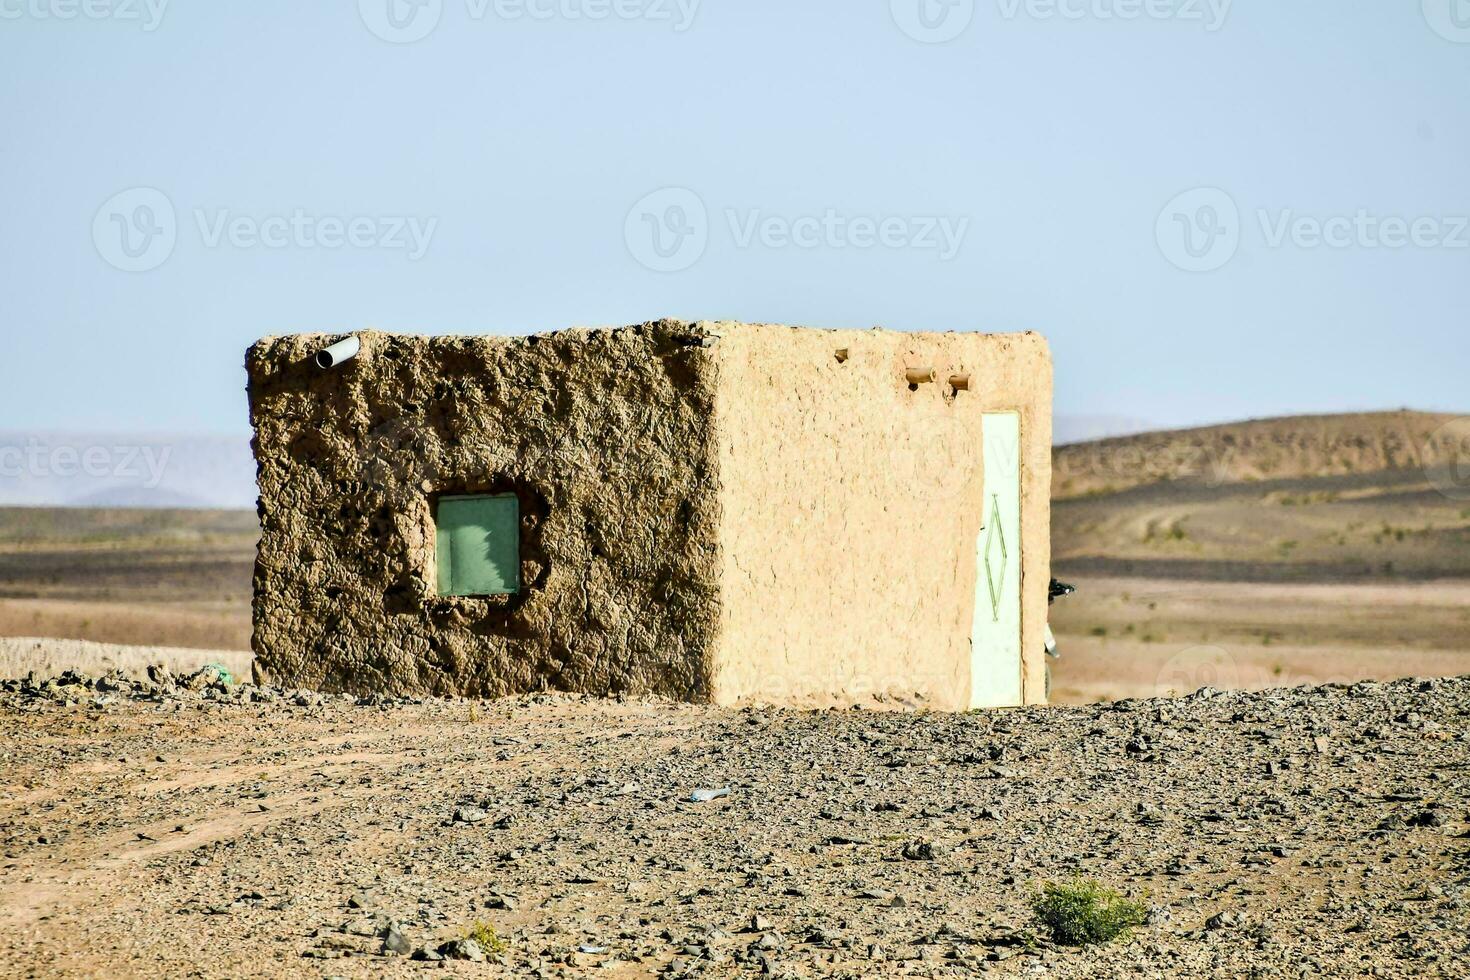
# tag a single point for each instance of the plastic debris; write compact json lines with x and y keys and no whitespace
{"x":705,"y":795}
{"x":225,"y":677}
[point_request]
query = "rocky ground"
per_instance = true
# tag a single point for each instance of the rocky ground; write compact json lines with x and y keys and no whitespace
{"x":48,"y":656}
{"x":188,"y":827}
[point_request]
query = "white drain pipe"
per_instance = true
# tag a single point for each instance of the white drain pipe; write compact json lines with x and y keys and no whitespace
{"x":339,"y":353}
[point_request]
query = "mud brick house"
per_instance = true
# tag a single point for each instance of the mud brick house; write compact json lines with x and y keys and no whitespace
{"x":714,"y":512}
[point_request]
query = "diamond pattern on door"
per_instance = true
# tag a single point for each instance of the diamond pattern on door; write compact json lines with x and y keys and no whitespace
{"x":995,"y":623}
{"x":995,"y":568}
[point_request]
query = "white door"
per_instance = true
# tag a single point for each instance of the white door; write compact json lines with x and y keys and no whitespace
{"x":995,"y":637}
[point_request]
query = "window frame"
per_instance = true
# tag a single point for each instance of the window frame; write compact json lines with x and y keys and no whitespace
{"x":444,"y":564}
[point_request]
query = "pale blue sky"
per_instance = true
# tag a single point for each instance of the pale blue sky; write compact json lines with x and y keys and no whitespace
{"x":1047,"y":145}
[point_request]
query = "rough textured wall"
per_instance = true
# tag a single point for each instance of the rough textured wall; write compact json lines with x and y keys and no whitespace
{"x":604,"y":434}
{"x":852,"y":504}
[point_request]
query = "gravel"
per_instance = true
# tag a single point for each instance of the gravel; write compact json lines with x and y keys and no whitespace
{"x":179,"y":824}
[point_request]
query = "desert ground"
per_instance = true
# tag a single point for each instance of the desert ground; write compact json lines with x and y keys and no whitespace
{"x":1258,"y":736}
{"x":1262,"y":554}
{"x":161,"y":828}
{"x":1138,"y":637}
{"x":169,"y":578}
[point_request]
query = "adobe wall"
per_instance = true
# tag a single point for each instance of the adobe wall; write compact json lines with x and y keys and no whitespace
{"x":852,"y":506}
{"x":604,"y":435}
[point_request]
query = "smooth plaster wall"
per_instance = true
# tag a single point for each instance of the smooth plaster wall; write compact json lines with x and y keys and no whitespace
{"x":852,"y":506}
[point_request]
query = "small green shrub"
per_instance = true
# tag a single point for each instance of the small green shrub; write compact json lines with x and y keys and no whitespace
{"x":484,"y":934}
{"x":1082,"y":912}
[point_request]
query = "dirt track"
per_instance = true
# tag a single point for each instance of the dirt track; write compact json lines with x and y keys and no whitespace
{"x":180,"y":834}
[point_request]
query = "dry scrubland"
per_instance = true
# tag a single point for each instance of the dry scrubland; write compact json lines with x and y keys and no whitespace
{"x":1262,"y":554}
{"x":151,"y":577}
{"x":167,"y":827}
{"x":157,"y":830}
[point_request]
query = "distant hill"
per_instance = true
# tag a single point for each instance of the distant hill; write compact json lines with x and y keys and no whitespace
{"x":1081,"y":428}
{"x":204,"y":471}
{"x":103,"y":469}
{"x":1312,"y":498}
{"x":1261,"y":449}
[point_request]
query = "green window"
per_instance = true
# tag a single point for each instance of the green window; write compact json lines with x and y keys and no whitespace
{"x":477,"y":545}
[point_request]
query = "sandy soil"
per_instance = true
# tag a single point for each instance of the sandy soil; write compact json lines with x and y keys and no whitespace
{"x":152,"y":577}
{"x":219,"y":625}
{"x":159,"y":832}
{"x":1386,"y":527}
{"x":1135,"y":637}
